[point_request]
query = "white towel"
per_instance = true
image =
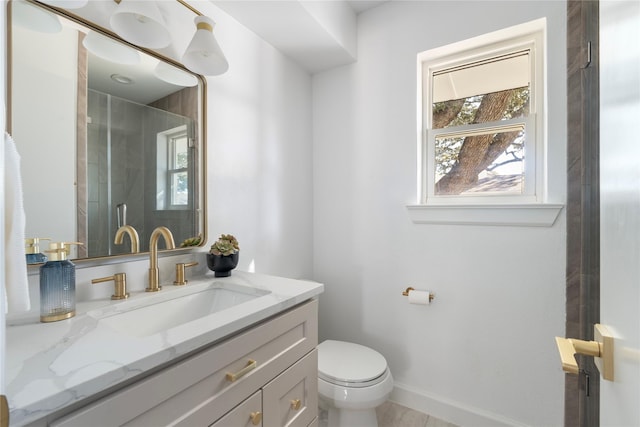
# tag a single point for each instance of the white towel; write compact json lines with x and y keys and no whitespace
{"x":15,"y":263}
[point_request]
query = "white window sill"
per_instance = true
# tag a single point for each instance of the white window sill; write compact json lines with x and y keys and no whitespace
{"x":534,"y":215}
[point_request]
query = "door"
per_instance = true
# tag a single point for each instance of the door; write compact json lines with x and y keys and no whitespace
{"x":3,"y":409}
{"x":620,"y":206}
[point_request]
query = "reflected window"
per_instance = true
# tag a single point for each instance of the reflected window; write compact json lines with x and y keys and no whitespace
{"x":173,"y":169}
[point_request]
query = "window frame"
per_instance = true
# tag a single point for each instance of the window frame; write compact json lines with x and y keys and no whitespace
{"x":529,"y":36}
{"x":164,"y":173}
{"x":172,"y":170}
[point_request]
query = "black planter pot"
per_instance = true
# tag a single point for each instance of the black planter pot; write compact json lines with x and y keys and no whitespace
{"x":222,"y":265}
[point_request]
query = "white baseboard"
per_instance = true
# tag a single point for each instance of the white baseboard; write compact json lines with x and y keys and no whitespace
{"x":448,"y":410}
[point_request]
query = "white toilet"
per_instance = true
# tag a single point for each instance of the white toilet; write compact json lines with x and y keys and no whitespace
{"x":352,"y":381}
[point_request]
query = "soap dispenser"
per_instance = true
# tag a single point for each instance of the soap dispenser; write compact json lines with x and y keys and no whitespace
{"x":32,"y":250}
{"x":58,"y":284}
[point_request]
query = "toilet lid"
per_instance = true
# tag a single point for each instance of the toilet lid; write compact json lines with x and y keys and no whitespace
{"x":348,"y":362}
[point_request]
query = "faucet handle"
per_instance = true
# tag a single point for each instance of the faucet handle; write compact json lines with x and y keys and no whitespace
{"x":120,"y":285}
{"x":180,"y":267}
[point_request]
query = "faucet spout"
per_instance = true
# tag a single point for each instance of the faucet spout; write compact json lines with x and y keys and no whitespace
{"x":153,"y":255}
{"x":133,"y":236}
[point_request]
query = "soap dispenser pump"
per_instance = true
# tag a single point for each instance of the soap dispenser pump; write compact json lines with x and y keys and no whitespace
{"x":58,"y":284}
{"x":32,"y":250}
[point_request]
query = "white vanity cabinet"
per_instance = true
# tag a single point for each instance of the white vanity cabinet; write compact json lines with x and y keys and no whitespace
{"x":265,"y":375}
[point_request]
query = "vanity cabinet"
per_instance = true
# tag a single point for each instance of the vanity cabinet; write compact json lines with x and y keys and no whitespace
{"x":265,"y":375}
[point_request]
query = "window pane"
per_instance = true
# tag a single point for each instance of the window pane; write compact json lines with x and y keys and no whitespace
{"x":490,"y":162}
{"x":180,"y":158}
{"x":484,"y":108}
{"x":179,"y":188}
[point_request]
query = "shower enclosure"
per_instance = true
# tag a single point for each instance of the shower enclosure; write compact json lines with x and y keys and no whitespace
{"x":139,"y":172}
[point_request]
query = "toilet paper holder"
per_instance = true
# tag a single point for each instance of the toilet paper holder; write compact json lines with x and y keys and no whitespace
{"x":406,"y":293}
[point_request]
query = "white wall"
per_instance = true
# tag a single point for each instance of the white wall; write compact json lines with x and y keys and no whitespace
{"x":259,"y":153}
{"x":45,"y":131}
{"x":483,"y":353}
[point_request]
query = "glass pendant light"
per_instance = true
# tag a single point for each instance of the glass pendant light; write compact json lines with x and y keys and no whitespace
{"x":140,"y":22}
{"x":109,"y":49}
{"x":203,"y":55}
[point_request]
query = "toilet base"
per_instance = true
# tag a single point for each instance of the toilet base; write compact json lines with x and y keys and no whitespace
{"x":352,"y":417}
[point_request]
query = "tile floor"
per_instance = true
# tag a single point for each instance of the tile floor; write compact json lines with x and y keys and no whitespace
{"x":391,"y":414}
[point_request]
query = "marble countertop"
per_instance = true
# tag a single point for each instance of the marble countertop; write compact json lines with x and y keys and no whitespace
{"x":50,"y":366}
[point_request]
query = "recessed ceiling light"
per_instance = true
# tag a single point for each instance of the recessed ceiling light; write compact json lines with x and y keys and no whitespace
{"x":119,"y":78}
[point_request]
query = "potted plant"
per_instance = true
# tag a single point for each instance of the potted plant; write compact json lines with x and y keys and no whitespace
{"x":223,"y":255}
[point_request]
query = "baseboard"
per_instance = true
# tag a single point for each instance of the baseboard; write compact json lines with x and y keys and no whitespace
{"x":448,"y":410}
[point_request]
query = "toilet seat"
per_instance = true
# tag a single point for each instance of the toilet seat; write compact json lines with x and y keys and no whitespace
{"x":350,"y":365}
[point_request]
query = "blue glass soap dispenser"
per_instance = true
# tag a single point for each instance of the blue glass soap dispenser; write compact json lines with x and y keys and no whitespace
{"x":32,"y":250}
{"x":58,"y":284}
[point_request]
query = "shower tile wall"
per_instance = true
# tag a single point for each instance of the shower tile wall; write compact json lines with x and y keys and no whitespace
{"x":127,"y":171}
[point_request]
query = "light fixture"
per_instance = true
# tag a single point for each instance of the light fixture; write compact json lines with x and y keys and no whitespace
{"x":203,"y":55}
{"x":174,"y":75}
{"x":119,"y":78}
{"x":140,"y":22}
{"x":66,"y":4}
{"x":35,"y":18}
{"x":109,"y":49}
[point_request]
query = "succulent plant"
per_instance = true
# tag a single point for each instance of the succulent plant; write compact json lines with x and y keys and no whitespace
{"x":191,"y":241}
{"x":225,"y":245}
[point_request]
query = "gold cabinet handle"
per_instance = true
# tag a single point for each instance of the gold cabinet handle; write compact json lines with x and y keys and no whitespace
{"x":601,"y":349}
{"x":296,"y":404}
{"x":256,"y":418}
{"x":251,"y":365}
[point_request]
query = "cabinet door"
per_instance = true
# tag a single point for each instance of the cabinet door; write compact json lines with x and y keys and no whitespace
{"x":246,"y":414}
{"x":291,"y":399}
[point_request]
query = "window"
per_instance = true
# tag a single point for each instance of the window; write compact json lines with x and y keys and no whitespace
{"x":177,"y":177}
{"x":482,"y":116}
{"x":172,"y":172}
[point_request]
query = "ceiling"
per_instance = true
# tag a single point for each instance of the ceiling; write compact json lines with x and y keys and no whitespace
{"x":360,"y":6}
{"x":318,"y":35}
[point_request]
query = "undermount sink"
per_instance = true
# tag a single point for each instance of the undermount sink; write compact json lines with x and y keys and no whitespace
{"x":162,"y":315}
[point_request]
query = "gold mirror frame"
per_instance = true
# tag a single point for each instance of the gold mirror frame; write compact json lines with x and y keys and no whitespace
{"x":200,"y":163}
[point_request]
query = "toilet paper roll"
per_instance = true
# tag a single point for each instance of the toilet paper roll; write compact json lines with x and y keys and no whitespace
{"x":419,"y":297}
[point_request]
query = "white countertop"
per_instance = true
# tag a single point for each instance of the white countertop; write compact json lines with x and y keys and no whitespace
{"x":50,"y":366}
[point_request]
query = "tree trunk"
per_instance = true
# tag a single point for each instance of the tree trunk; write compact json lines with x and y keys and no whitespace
{"x":478,"y":152}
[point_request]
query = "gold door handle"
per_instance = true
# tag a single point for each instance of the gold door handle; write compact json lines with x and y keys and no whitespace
{"x":251,"y":365}
{"x":601,"y":349}
{"x":296,"y":404}
{"x":256,"y":418}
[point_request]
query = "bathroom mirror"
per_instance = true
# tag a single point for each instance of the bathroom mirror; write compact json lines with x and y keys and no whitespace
{"x":108,"y":134}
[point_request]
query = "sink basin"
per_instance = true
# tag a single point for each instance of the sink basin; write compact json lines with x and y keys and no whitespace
{"x":165,"y":314}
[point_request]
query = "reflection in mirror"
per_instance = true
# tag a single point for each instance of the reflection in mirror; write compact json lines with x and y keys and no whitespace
{"x":109,"y":136}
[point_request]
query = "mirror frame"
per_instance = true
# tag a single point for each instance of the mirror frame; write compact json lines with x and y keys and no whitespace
{"x":200,"y":208}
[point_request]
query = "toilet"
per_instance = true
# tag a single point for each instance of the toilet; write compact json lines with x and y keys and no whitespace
{"x":352,"y":381}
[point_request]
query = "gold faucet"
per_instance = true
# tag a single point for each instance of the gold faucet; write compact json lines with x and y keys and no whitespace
{"x":133,"y":236}
{"x":153,"y":255}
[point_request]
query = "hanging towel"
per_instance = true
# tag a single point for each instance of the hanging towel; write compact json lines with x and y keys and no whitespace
{"x":15,"y":263}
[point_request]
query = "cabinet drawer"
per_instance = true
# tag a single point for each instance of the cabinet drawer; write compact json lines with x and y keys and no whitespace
{"x":291,"y":399}
{"x":246,"y":414}
{"x":197,"y":391}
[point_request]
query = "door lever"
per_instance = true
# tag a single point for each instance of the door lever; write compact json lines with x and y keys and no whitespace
{"x":601,"y":349}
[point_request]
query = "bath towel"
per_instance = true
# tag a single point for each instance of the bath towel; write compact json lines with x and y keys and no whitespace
{"x":15,"y":263}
